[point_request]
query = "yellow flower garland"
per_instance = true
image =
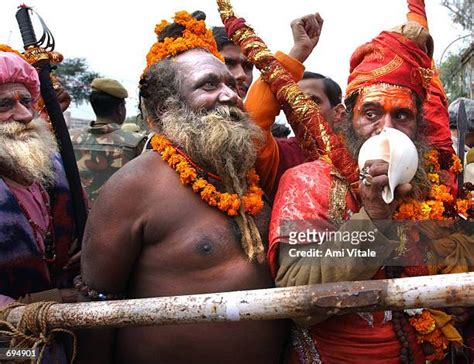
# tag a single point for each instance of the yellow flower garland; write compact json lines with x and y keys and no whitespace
{"x":226,"y":202}
{"x":434,"y":207}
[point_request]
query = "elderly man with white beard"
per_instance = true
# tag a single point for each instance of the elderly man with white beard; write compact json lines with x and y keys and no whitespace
{"x":36,"y":225}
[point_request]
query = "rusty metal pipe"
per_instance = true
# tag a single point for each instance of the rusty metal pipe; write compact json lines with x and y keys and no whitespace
{"x":266,"y":304}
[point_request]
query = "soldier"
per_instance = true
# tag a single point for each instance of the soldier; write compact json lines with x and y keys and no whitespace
{"x":104,"y":147}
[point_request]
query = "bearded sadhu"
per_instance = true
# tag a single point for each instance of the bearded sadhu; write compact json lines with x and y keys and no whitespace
{"x":36,"y":228}
{"x":187,"y":217}
{"x":36,"y":213}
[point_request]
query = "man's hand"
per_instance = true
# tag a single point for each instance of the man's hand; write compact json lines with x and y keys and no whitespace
{"x":69,"y":295}
{"x":371,"y":190}
{"x":63,"y":96}
{"x":306,"y":31}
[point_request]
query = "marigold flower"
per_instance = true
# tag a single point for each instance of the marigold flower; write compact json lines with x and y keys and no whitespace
{"x":432,"y":162}
{"x":160,"y":27}
{"x":441,"y":193}
{"x":424,"y":323}
{"x":173,"y":160}
{"x":436,"y":210}
{"x":199,"y":184}
{"x":226,"y":202}
{"x":456,"y":166}
{"x":195,"y":35}
{"x":462,"y":206}
{"x":433,"y":177}
{"x":188,"y":175}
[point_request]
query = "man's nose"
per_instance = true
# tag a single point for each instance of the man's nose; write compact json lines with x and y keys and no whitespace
{"x":22,"y":114}
{"x":228,"y":96}
{"x":386,"y":122}
{"x":239,"y":73}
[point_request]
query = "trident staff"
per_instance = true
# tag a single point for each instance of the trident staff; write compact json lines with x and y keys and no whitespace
{"x":39,"y":54}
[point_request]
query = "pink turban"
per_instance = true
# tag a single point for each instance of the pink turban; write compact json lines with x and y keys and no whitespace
{"x":13,"y":69}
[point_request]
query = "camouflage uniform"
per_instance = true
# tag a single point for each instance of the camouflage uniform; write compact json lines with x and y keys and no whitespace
{"x":101,"y":150}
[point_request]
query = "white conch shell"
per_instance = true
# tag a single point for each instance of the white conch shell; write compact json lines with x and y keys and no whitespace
{"x":398,"y":150}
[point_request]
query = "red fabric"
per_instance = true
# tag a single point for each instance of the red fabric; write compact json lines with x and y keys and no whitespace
{"x":32,"y":199}
{"x":291,"y":155}
{"x":389,"y":58}
{"x":417,"y":7}
{"x":435,"y":109}
{"x":303,"y":195}
{"x":350,"y":339}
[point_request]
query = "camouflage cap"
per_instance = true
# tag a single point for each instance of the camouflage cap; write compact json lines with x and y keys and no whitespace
{"x":109,"y":86}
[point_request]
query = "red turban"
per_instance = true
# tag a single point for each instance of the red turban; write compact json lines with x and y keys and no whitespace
{"x":390,"y":58}
{"x":394,"y":59}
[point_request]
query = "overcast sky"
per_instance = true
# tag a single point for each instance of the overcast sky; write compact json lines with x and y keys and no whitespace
{"x":114,"y":36}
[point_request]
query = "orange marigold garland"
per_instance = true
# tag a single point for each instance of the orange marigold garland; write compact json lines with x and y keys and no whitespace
{"x":195,"y":35}
{"x":456,"y":166}
{"x":427,"y":332}
{"x":440,"y":205}
{"x":441,"y":199}
{"x":6,"y":48}
{"x":229,"y":203}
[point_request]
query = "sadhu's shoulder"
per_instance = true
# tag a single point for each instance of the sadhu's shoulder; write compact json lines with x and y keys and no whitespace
{"x":308,"y":174}
{"x":139,"y":172}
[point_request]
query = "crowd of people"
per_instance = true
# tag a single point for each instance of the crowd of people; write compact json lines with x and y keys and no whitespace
{"x":212,"y":195}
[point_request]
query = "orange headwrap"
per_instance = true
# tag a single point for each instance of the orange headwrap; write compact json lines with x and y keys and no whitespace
{"x":195,"y":35}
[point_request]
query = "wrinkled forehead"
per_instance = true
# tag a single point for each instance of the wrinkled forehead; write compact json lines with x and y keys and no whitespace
{"x":10,"y":89}
{"x":386,"y":96}
{"x":196,"y":62}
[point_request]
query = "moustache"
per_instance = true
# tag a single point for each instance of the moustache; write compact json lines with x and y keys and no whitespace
{"x":232,"y":113}
{"x":17,"y":130}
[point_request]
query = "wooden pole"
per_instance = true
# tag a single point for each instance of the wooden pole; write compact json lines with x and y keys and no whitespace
{"x":266,"y":304}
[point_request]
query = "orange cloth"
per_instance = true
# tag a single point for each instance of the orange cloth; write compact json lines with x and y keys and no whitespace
{"x":417,"y":12}
{"x":264,"y":108}
{"x":445,"y":323}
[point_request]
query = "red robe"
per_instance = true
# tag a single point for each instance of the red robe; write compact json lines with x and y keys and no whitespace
{"x":304,"y":194}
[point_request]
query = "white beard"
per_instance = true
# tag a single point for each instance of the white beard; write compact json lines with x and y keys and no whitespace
{"x":26,"y":152}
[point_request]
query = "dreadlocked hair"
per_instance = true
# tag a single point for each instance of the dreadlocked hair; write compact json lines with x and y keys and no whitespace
{"x":158,"y":85}
{"x":234,"y":181}
{"x":251,"y":240}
